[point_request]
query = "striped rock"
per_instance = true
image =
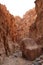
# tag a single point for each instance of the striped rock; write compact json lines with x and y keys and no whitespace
{"x":30,"y":50}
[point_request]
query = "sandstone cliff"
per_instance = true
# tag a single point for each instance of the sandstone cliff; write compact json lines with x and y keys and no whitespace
{"x":13,"y":29}
{"x":37,"y":27}
{"x":27,"y":20}
{"x":7,"y":29}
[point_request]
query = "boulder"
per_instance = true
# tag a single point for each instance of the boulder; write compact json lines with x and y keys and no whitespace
{"x":30,"y":49}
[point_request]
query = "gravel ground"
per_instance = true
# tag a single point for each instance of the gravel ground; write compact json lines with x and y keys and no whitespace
{"x":16,"y":59}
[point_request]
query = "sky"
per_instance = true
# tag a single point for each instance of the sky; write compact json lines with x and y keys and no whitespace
{"x":18,"y":7}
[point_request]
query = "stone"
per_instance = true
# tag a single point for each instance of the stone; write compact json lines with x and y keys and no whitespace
{"x":7,"y":27}
{"x":30,"y":49}
{"x":2,"y":52}
{"x":16,"y":28}
{"x":37,"y":63}
{"x":36,"y":29}
{"x":28,"y":18}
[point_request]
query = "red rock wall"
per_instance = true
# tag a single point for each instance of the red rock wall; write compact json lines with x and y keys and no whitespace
{"x":15,"y":28}
{"x":27,"y":20}
{"x":7,"y":28}
{"x":36,"y":29}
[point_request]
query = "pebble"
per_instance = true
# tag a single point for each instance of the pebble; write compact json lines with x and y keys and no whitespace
{"x":37,"y":63}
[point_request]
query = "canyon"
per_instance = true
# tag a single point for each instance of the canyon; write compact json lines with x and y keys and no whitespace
{"x":14,"y":32}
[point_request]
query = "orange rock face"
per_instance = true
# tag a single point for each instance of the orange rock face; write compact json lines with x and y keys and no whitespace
{"x":39,"y":6}
{"x":27,"y":20}
{"x":37,"y":27}
{"x":35,"y":32}
{"x":15,"y":28}
{"x":7,"y":29}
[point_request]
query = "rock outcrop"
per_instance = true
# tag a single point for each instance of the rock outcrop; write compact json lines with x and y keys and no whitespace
{"x":35,"y":32}
{"x":36,"y":29}
{"x":13,"y":29}
{"x":7,"y":30}
{"x":27,"y":20}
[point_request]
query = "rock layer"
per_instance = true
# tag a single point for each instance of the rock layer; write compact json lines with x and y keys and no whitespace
{"x":30,"y":49}
{"x":27,"y":20}
{"x":37,"y":27}
{"x":14,"y":29}
{"x":7,"y":29}
{"x":35,"y":32}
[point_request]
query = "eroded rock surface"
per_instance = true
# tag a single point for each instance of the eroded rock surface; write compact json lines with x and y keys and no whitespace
{"x":36,"y":29}
{"x":27,"y":20}
{"x":30,"y":49}
{"x":13,"y":29}
{"x":7,"y":30}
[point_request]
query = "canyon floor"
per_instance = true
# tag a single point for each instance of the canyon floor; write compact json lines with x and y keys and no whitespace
{"x":17,"y":59}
